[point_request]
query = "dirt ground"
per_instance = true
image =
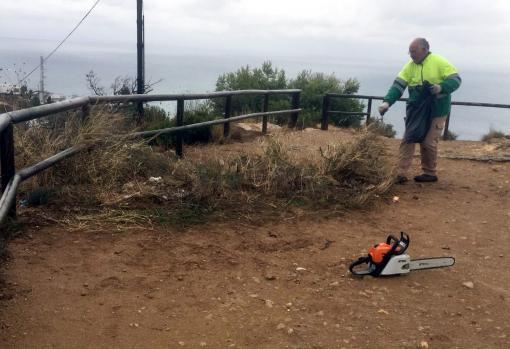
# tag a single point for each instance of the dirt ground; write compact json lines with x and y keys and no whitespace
{"x":278,"y":284}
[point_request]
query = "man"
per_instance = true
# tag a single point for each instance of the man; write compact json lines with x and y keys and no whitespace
{"x":431,"y":79}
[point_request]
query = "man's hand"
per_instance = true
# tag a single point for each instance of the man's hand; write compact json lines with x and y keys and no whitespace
{"x":383,"y":108}
{"x":435,"y":89}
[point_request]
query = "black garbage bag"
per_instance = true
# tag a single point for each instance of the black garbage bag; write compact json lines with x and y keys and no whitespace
{"x":418,"y":116}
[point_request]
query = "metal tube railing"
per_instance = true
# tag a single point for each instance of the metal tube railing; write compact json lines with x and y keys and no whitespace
{"x":11,"y":179}
{"x":327,"y":103}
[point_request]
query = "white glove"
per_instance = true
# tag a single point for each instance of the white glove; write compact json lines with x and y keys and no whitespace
{"x":383,"y":108}
{"x":435,"y":89}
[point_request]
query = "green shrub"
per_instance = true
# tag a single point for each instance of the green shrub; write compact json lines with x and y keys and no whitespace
{"x":314,"y":86}
{"x":245,"y":78}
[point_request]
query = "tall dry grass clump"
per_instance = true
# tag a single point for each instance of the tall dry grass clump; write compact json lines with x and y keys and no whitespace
{"x":111,"y":161}
{"x":125,"y":174}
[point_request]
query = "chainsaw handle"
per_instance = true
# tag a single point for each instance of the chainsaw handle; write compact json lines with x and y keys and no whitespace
{"x":403,"y":243}
{"x":359,"y":261}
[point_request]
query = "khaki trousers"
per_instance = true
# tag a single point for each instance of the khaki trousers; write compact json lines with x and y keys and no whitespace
{"x":428,"y":150}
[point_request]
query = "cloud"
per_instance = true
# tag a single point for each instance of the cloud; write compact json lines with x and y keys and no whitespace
{"x":468,"y":31}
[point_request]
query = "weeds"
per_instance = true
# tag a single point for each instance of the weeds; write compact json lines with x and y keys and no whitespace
{"x":114,"y":177}
{"x":494,"y":135}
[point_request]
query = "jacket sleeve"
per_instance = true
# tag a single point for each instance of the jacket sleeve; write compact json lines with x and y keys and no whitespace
{"x":451,"y":79}
{"x":398,"y":87}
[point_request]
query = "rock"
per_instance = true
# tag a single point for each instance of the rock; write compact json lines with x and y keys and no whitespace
{"x":280,"y":326}
{"x":269,"y":277}
{"x":424,"y":344}
{"x":269,"y":303}
{"x":468,"y":284}
{"x":382,"y":311}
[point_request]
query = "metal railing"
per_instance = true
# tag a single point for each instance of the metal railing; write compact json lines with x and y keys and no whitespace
{"x":326,"y":103}
{"x":11,"y":179}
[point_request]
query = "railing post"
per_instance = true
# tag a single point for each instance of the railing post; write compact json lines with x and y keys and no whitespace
{"x":179,"y":121}
{"x":7,"y":160}
{"x":369,"y":110}
{"x":446,"y":125}
{"x":228,"y":113}
{"x":295,"y":105}
{"x":265,"y":109}
{"x":325,"y":110}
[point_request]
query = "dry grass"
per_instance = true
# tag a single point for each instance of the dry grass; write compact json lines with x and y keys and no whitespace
{"x":115,"y":177}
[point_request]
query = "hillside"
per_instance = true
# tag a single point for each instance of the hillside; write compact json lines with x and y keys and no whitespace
{"x":252,"y":282}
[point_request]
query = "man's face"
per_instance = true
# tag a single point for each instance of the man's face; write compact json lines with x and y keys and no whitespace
{"x":417,"y":52}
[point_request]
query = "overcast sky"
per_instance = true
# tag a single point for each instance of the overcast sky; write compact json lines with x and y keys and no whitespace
{"x":473,"y":34}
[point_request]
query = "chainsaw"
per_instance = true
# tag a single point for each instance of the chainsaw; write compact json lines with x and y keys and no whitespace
{"x":390,"y":259}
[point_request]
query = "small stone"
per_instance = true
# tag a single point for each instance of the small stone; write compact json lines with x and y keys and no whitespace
{"x":269,"y":303}
{"x":320,"y":313}
{"x":181,"y":344}
{"x":290,"y":331}
{"x":300,"y":269}
{"x":256,"y":279}
{"x":424,"y":344}
{"x":382,"y":311}
{"x":270,"y":277}
{"x":396,"y":199}
{"x":468,"y":284}
{"x":203,"y":344}
{"x":208,"y":317}
{"x":335,"y":283}
{"x":280,"y":326}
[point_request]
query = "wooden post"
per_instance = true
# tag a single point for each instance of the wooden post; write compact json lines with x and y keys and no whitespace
{"x":7,"y":160}
{"x":228,"y":114}
{"x":446,"y":125}
{"x":265,"y":109}
{"x":325,"y":110}
{"x":295,"y":105}
{"x":369,"y":110}
{"x":179,"y":121}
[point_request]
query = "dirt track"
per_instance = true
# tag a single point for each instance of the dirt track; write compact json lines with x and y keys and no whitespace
{"x":233,"y":285}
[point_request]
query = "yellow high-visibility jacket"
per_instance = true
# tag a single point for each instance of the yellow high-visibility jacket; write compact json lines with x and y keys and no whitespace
{"x":436,"y":70}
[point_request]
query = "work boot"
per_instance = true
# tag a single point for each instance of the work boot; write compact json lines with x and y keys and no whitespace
{"x":425,"y":178}
{"x":401,"y":179}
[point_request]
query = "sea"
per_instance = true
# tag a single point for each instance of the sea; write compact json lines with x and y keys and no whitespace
{"x":194,"y":71}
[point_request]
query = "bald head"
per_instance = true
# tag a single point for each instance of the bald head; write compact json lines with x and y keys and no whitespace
{"x":418,"y":49}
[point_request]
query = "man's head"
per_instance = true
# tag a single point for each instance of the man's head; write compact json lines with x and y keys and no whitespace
{"x":418,"y":49}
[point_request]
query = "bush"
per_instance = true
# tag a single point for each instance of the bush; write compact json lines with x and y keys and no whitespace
{"x":314,"y":86}
{"x":450,"y":136}
{"x":379,"y":127}
{"x":245,"y":78}
{"x":493,"y":134}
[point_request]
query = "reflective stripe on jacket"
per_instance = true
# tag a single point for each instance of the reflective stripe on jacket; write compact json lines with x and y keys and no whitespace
{"x":436,"y":70}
